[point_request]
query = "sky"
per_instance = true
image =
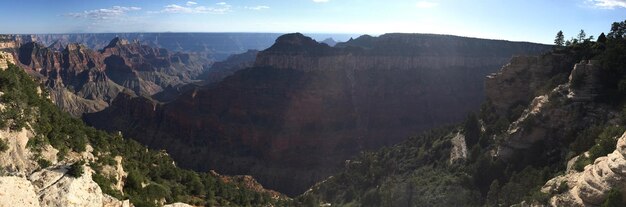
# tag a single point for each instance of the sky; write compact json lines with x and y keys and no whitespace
{"x":516,"y":20}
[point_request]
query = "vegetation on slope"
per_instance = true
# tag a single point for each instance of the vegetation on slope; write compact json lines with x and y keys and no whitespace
{"x":152,"y":175}
{"x":418,"y":172}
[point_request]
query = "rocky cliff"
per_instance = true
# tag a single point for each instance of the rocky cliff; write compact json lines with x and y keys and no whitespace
{"x":85,"y":80}
{"x":291,"y":120}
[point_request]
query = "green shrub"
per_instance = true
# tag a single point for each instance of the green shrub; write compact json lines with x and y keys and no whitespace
{"x":3,"y":145}
{"x":76,"y":169}
{"x":43,"y":163}
{"x":614,"y":199}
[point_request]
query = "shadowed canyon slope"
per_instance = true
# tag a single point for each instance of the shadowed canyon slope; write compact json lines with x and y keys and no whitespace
{"x":305,"y":107}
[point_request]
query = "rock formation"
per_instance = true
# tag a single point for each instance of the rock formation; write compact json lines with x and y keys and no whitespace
{"x":291,"y":120}
{"x":518,"y":81}
{"x":591,"y":187}
{"x":84,"y":80}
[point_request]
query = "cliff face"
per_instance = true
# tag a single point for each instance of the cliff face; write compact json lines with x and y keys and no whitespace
{"x":305,"y":107}
{"x":84,"y":80}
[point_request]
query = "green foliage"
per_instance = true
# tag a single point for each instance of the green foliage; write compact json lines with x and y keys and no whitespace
{"x":614,"y":199}
{"x":43,"y":163}
{"x":563,"y":187}
{"x":559,"y":40}
{"x":76,"y":169}
{"x":3,"y":146}
{"x":471,"y":128}
{"x":106,"y":185}
{"x":604,"y":144}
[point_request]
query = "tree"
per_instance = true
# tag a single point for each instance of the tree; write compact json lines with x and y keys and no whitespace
{"x":581,"y":36}
{"x":601,"y":38}
{"x":76,"y":169}
{"x":618,"y":30}
{"x":559,"y":40}
{"x":472,"y":130}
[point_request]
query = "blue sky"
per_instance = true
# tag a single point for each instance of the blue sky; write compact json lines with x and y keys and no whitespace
{"x":519,"y":20}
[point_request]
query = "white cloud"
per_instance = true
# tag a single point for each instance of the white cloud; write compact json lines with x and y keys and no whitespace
{"x":191,"y":3}
{"x":321,"y":1}
{"x":257,"y":7}
{"x":101,"y":14}
{"x":221,"y":8}
{"x":608,"y":4}
{"x":425,"y":4}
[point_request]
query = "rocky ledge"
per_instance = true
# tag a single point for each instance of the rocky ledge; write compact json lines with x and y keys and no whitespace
{"x":591,"y":187}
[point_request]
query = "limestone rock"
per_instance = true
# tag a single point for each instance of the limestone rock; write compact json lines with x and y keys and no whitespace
{"x":18,"y":159}
{"x":585,"y":83}
{"x":518,"y":81}
{"x":108,"y":201}
{"x":69,"y":191}
{"x":5,"y":58}
{"x":17,"y":191}
{"x":459,"y":148}
{"x":177,"y":205}
{"x":591,"y":186}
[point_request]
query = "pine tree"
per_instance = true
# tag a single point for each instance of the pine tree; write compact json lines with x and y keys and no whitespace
{"x":559,"y":40}
{"x":581,"y":36}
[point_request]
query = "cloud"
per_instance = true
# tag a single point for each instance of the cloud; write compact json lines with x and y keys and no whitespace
{"x":191,"y":3}
{"x":426,"y":4}
{"x":257,"y":7}
{"x":321,"y":1}
{"x":221,"y":8}
{"x":607,"y":4}
{"x":102,"y":14}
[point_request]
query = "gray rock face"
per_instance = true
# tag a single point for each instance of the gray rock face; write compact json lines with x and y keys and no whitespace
{"x":585,"y":81}
{"x":591,"y":187}
{"x":518,"y":81}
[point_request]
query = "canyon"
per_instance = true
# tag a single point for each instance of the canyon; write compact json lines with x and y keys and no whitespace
{"x":303,"y":108}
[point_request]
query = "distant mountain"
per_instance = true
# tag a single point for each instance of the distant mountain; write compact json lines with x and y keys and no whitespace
{"x":216,"y":46}
{"x":330,"y":42}
{"x":304,"y":108}
{"x":82,"y":80}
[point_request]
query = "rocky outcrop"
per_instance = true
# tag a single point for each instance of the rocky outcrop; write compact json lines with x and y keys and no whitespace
{"x":585,"y":83}
{"x":591,"y":187}
{"x":24,"y":183}
{"x":557,"y":113}
{"x":459,"y":148}
{"x":249,"y":182}
{"x":5,"y":59}
{"x":518,"y":81}
{"x":291,"y":120}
